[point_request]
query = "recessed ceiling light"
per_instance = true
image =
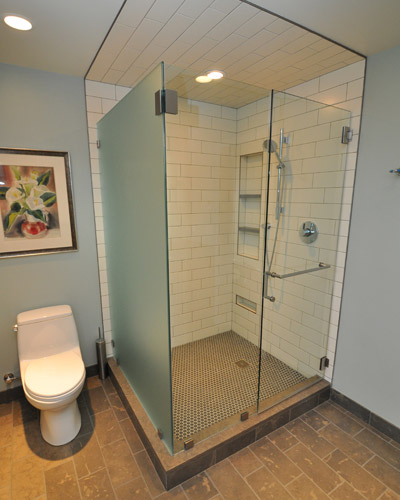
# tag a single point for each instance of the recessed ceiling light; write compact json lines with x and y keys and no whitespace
{"x":215,"y":74}
{"x":203,"y":79}
{"x":18,"y":23}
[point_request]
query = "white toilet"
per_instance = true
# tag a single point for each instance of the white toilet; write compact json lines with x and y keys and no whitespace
{"x":52,"y":370}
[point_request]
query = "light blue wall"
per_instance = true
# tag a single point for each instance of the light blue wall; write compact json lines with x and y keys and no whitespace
{"x":41,"y":110}
{"x":367,"y":367}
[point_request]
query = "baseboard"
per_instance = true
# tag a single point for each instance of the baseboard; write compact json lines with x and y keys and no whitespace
{"x":366,"y":415}
{"x":14,"y":393}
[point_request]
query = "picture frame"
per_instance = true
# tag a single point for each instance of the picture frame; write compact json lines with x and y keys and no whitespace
{"x":36,"y":203}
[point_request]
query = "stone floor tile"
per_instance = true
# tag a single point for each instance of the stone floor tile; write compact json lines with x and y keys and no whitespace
{"x":91,"y":383}
{"x":229,"y":482}
{"x":266,"y":485}
{"x":26,"y":440}
{"x":108,"y":386}
{"x":314,"y":468}
{"x":276,"y":461}
{"x":381,"y":447}
{"x":27,"y":479}
{"x":5,"y":493}
{"x":357,"y":476}
{"x":245,"y":462}
{"x":6,"y":430}
{"x":131,"y":435}
{"x":149,"y":473}
{"x":282,"y":438}
{"x":346,"y":443}
{"x":117,"y":406}
{"x":346,"y":423}
{"x":86,"y":423}
{"x":54,"y":455}
{"x":5,"y":466}
{"x":385,"y":472}
{"x":97,"y":486}
{"x":87,"y":455}
{"x":135,"y":489}
{"x":96,"y":400}
{"x":345,"y":492}
{"x":303,"y":488}
{"x":62,"y":483}
{"x":120,"y":463}
{"x":23,"y":412}
{"x":199,"y":487}
{"x":5,"y":409}
{"x":310,"y":438}
{"x":388,"y":495}
{"x":315,"y":420}
{"x":106,"y":427}
{"x":176,"y":494}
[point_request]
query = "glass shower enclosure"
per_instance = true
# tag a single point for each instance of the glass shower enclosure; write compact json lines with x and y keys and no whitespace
{"x":221,"y":224}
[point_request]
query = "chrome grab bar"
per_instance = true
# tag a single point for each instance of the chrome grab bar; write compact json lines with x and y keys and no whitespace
{"x":296,"y":273}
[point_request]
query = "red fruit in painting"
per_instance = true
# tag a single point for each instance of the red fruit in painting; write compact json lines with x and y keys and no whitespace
{"x":33,"y":228}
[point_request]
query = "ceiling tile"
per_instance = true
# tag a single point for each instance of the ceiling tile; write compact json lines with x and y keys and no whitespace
{"x":162,"y":10}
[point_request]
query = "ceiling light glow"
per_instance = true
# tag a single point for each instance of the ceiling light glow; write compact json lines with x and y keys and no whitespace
{"x":215,"y":74}
{"x":203,"y":79}
{"x":18,"y":23}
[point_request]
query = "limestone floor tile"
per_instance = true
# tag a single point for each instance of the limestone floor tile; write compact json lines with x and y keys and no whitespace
{"x":27,"y":479}
{"x":6,"y":429}
{"x":303,"y":488}
{"x":87,"y":455}
{"x":106,"y":427}
{"x":131,"y":435}
{"x":62,"y":483}
{"x":381,"y":447}
{"x":26,"y":440}
{"x":345,"y":492}
{"x":245,"y":462}
{"x":5,"y":466}
{"x":310,"y":438}
{"x":53,"y":456}
{"x":97,"y":486}
{"x":5,"y":493}
{"x":388,"y":495}
{"x":357,"y":476}
{"x":177,"y":494}
{"x":314,"y":467}
{"x":346,"y":443}
{"x":23,"y":412}
{"x":108,"y":386}
{"x":315,"y":420}
{"x":120,"y":463}
{"x":346,"y":423}
{"x":5,"y":409}
{"x":96,"y":400}
{"x":117,"y":406}
{"x":199,"y":487}
{"x":86,"y":423}
{"x":385,"y":473}
{"x":135,"y":489}
{"x":276,"y":461}
{"x":229,"y":482}
{"x":282,"y":438}
{"x":267,"y":486}
{"x":149,"y":474}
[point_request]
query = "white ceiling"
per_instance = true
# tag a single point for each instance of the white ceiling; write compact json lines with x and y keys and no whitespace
{"x":366,"y":26}
{"x":68,"y":33}
{"x":65,"y":37}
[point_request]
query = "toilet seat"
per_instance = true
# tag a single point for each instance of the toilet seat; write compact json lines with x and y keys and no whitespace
{"x":54,"y":377}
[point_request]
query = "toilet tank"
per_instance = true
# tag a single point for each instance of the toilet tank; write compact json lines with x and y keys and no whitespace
{"x":46,"y":331}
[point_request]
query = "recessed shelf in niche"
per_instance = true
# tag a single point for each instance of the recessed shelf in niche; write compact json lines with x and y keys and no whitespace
{"x":250,"y":184}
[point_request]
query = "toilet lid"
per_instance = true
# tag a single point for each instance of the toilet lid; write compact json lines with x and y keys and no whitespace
{"x":54,"y":375}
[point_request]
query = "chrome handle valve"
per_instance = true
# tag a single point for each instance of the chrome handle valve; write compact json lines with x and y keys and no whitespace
{"x":15,"y":328}
{"x":271,"y":298}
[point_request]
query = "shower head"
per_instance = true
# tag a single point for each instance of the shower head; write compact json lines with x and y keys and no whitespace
{"x":271,"y":147}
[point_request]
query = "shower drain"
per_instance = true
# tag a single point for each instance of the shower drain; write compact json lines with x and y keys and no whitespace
{"x":242,"y":363}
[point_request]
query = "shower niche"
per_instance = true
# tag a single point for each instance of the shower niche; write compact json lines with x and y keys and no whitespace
{"x":249,"y":211}
{"x":194,"y":336}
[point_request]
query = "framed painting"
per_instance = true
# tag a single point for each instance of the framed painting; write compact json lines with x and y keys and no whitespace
{"x":36,"y":206}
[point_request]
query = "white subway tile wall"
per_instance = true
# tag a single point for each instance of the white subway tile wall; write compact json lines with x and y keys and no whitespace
{"x":204,"y":145}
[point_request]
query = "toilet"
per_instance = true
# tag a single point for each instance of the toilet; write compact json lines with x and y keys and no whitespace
{"x":52,"y":370}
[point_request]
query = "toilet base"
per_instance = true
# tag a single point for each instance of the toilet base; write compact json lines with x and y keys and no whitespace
{"x":60,"y":426}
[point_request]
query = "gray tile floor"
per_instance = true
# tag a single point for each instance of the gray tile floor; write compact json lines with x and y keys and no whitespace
{"x":327,"y":454}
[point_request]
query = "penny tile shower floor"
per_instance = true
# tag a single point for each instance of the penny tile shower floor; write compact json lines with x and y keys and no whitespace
{"x":209,"y":387}
{"x":325,"y":454}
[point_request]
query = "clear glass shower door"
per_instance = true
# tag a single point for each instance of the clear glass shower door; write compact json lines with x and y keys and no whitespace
{"x":133,"y":178}
{"x":307,"y":163}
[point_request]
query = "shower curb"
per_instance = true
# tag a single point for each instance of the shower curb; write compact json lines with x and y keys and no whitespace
{"x":174,"y":469}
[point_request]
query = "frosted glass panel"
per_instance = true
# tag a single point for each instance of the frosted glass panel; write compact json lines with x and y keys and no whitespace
{"x":132,"y":162}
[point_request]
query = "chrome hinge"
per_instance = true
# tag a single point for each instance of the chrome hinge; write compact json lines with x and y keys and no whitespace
{"x":347,"y":135}
{"x":98,"y":144}
{"x":323,"y":363}
{"x":166,"y":102}
{"x":113,"y":342}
